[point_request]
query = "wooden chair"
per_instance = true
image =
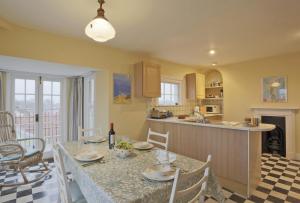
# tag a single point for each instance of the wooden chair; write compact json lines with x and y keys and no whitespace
{"x":30,"y":157}
{"x":69,"y":192}
{"x":164,"y":144}
{"x":197,"y":190}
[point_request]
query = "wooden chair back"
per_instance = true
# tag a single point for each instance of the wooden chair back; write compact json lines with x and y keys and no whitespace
{"x":7,"y":127}
{"x":164,"y":144}
{"x":64,"y":190}
{"x":197,"y":190}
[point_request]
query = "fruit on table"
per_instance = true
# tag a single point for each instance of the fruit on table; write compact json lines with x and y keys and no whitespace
{"x":124,"y":145}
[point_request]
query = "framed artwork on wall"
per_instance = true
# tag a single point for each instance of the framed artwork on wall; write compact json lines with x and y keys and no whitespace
{"x":274,"y":89}
{"x":122,"y":88}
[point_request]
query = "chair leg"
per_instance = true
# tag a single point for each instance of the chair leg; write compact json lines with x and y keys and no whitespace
{"x":202,"y":199}
{"x":23,"y":175}
{"x":22,"y":170}
{"x":45,"y":165}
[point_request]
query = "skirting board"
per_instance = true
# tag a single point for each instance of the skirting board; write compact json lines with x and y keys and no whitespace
{"x":297,"y":157}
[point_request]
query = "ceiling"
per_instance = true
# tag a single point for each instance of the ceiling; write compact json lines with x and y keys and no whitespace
{"x":34,"y":66}
{"x":175,"y":30}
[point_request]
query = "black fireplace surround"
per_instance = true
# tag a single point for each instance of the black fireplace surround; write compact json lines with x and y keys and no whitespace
{"x":274,"y":142}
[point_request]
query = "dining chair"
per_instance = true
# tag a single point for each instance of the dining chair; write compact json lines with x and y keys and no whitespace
{"x":69,"y":191}
{"x":197,"y":190}
{"x":162,"y":136}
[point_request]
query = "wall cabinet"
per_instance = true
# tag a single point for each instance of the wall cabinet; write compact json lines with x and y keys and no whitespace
{"x":195,"y":86}
{"x":147,"y":80}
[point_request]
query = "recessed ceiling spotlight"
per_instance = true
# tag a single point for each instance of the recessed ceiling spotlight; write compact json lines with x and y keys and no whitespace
{"x":214,"y":64}
{"x":212,"y":52}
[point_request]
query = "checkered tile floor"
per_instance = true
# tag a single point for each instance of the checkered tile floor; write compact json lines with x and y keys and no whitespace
{"x":43,"y":191}
{"x":280,"y":183}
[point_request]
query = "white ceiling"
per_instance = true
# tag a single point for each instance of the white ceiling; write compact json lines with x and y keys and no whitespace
{"x":176,"y":30}
{"x":35,"y":66}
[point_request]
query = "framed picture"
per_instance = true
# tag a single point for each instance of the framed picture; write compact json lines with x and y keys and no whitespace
{"x":122,"y":88}
{"x":274,"y":89}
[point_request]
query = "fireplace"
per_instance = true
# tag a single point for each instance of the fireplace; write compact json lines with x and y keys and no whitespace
{"x":274,"y":142}
{"x":289,"y":113}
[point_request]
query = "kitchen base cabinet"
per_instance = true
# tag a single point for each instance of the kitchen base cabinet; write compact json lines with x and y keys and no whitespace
{"x":235,"y":153}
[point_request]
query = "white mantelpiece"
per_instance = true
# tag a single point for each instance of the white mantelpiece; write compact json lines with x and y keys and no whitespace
{"x":289,"y":113}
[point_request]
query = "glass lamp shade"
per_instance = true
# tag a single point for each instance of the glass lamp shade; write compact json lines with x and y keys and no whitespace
{"x":100,"y":30}
{"x":275,"y":84}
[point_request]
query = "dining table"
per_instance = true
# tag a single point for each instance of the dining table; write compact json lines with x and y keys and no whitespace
{"x":115,"y":179}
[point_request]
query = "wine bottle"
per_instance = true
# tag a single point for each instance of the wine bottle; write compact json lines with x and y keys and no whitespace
{"x":111,"y":137}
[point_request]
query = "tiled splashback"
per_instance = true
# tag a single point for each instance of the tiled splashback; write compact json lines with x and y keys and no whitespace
{"x":186,"y":108}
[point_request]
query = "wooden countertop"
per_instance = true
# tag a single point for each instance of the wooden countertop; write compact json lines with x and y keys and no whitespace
{"x":261,"y":128}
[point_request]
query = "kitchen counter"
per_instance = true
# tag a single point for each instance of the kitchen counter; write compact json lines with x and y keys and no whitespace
{"x":235,"y":149}
{"x":261,"y":128}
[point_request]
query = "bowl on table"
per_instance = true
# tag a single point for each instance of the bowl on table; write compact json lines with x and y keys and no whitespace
{"x":122,"y":153}
{"x":123,"y":149}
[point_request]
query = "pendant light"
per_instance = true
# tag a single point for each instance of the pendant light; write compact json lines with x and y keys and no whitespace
{"x":100,"y":29}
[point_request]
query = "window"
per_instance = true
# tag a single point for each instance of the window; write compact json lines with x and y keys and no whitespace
{"x":170,"y":93}
{"x":89,"y":101}
{"x":36,"y":102}
{"x":52,"y":110}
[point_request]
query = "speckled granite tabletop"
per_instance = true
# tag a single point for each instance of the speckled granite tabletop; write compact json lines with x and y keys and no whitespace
{"x":121,"y":180}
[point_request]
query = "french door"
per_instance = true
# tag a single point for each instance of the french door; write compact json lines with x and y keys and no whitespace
{"x":37,"y":107}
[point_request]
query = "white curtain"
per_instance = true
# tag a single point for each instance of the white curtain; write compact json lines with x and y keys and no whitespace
{"x":75,"y":107}
{"x":2,"y":91}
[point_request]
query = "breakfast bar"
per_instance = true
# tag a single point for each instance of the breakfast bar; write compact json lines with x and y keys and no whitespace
{"x":236,"y":149}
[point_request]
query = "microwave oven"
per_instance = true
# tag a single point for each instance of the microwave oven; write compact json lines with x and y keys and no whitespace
{"x":212,"y":109}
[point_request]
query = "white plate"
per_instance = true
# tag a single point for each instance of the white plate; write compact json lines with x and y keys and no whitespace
{"x":95,"y":139}
{"x":156,"y":173}
{"x":88,"y":156}
{"x":142,"y":145}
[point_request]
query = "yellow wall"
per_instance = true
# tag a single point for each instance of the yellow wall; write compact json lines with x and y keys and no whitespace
{"x":128,"y":119}
{"x":242,"y":86}
{"x":242,"y":81}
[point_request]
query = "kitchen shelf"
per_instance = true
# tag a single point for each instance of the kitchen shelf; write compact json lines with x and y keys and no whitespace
{"x":211,"y":114}
{"x":215,"y":87}
{"x":213,"y":98}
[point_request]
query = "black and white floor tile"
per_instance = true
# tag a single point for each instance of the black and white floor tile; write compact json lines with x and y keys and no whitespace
{"x":43,"y":191}
{"x":280,"y":183}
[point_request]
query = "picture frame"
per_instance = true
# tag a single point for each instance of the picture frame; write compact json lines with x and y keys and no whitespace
{"x":274,"y":89}
{"x":121,"y":88}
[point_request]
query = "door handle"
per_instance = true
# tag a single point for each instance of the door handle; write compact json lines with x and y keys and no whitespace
{"x":36,"y":117}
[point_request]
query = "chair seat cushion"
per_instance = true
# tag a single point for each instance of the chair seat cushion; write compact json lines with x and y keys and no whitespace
{"x":28,"y":154}
{"x":31,"y":153}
